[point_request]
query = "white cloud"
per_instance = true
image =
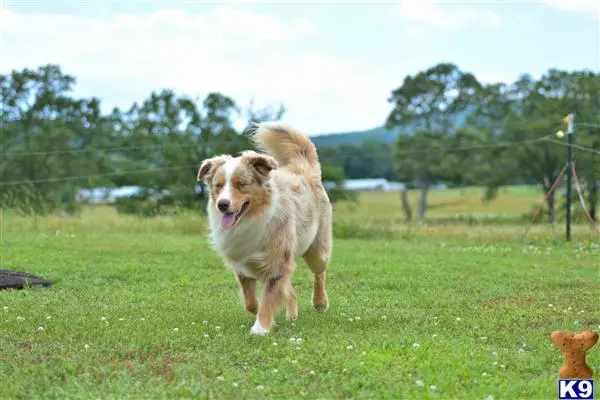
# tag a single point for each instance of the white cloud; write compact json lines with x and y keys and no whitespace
{"x":121,"y":58}
{"x":590,"y":8}
{"x":416,"y":31}
{"x":432,"y":13}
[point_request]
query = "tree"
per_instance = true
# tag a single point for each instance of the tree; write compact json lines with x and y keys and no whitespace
{"x":334,"y":176}
{"x":587,"y":133}
{"x":169,"y":136}
{"x":434,"y":101}
{"x":46,"y":135}
{"x":536,"y":109}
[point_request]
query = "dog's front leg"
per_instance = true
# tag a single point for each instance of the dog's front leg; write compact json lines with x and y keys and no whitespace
{"x":248,"y":289}
{"x":274,"y":292}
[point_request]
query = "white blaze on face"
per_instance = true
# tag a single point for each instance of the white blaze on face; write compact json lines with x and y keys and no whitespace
{"x":229,"y":169}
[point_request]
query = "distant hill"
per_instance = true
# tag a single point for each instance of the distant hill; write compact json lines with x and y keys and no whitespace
{"x":380,"y":134}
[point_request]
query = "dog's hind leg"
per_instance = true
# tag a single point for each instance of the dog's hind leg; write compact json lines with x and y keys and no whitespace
{"x":317,"y":258}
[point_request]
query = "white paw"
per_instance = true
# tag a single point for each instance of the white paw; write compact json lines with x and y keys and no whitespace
{"x":257,"y":329}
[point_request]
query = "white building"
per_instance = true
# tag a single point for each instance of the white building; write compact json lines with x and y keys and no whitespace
{"x":379,"y":184}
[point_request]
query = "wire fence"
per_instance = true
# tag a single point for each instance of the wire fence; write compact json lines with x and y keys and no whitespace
{"x":83,"y":177}
{"x":181,"y":146}
{"x":544,"y":139}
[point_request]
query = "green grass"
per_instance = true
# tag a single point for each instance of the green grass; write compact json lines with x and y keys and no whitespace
{"x":510,"y":203}
{"x":126,"y":314}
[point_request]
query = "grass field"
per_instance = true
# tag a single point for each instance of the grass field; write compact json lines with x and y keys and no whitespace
{"x":144,"y":309}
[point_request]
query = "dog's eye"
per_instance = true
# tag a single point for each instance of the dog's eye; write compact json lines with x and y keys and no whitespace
{"x":241,"y":185}
{"x":219,"y":186}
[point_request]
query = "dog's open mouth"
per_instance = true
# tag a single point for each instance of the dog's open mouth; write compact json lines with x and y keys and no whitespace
{"x":228,"y":220}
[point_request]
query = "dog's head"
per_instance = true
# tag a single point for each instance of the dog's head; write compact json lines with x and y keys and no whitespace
{"x":239,"y":186}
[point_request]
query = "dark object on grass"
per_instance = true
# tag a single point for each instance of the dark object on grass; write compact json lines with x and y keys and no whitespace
{"x":19,"y":280}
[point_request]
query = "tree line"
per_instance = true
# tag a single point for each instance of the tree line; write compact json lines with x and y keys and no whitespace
{"x":54,"y":144}
{"x":454,"y":129}
{"x":451,"y":128}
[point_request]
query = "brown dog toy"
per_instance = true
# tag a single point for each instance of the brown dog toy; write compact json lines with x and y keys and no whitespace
{"x":574,"y":346}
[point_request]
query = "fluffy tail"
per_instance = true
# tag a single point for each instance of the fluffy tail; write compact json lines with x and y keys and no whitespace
{"x":289,"y":147}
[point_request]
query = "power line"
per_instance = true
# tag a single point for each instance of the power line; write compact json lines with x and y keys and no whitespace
{"x":180,"y":146}
{"x":575,"y":146}
{"x":69,"y":178}
{"x":449,"y":149}
{"x":474,"y":147}
{"x":158,"y":147}
{"x":463,"y":148}
{"x":591,"y":125}
{"x":105,"y":149}
{"x":349,"y":156}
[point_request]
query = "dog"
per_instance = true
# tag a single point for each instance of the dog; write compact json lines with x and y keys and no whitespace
{"x":266,"y":210}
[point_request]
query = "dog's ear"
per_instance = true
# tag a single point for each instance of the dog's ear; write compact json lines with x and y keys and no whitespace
{"x":262,"y":163}
{"x":209,"y":166}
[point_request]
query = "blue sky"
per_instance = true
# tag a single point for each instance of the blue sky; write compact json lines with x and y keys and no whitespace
{"x":333,"y":64}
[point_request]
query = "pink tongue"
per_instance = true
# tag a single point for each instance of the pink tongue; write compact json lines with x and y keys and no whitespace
{"x":227,"y":220}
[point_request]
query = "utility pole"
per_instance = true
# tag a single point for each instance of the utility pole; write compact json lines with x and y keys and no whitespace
{"x":570,"y":133}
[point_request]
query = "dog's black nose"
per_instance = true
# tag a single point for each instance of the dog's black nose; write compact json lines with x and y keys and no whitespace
{"x":223,"y":205}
